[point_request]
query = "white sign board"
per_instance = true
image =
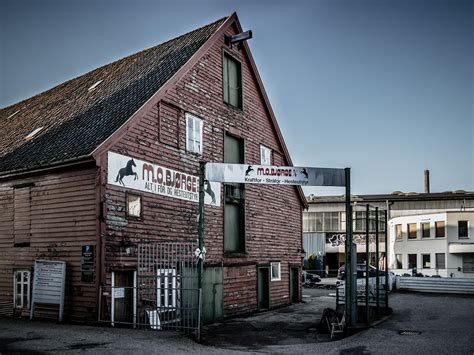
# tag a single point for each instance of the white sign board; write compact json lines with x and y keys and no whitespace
{"x":279,"y":175}
{"x":137,"y":174}
{"x":119,"y":292}
{"x":48,"y":284}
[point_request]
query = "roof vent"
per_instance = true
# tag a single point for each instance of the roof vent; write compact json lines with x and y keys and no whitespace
{"x":95,"y":85}
{"x":32,"y":134}
{"x":397,"y":193}
{"x":459,"y":192}
{"x":14,"y":113}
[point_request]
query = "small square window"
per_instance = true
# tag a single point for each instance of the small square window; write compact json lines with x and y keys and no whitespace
{"x":398,"y":231}
{"x":134,"y":205}
{"x":412,"y":261}
{"x":463,"y":229}
{"x":276,"y":271}
{"x":412,"y":231}
{"x":193,"y":134}
{"x":265,"y":155}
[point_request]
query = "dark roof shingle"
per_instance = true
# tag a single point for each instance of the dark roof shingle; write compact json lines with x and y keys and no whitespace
{"x":75,"y":120}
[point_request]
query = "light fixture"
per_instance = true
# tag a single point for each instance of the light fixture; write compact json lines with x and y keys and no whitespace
{"x":238,"y":38}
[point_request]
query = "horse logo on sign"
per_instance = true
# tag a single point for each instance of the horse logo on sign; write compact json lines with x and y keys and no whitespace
{"x":127,"y":171}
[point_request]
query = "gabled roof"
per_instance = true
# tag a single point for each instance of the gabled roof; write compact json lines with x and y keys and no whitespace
{"x":83,"y":116}
{"x":76,"y":120}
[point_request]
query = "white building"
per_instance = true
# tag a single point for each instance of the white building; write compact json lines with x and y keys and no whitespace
{"x":435,"y":244}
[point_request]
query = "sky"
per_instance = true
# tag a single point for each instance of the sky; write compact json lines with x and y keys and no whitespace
{"x":383,"y":87}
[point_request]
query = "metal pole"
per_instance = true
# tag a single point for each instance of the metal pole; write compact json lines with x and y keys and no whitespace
{"x":386,"y":262}
{"x":377,"y":285}
{"x":202,"y":175}
{"x":367,"y":313}
{"x":349,"y":285}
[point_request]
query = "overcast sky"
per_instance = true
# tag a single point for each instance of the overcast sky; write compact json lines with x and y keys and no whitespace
{"x":384,"y":87}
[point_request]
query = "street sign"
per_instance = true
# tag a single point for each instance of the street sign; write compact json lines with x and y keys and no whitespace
{"x":278,"y":175}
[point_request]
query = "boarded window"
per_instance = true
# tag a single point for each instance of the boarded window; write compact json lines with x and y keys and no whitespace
{"x":398,"y":231}
{"x":412,"y":261}
{"x":425,"y":228}
{"x":134,"y":205}
{"x":22,"y":219}
{"x":234,"y":210}
{"x":412,"y":231}
{"x":439,"y":226}
{"x":440,"y":260}
{"x":426,"y":259}
{"x":232,"y":75}
{"x":193,"y":134}
{"x":463,"y":229}
{"x":169,"y":125}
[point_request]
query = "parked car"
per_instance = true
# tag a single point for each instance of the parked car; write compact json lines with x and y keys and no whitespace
{"x":310,"y":279}
{"x":361,"y":270}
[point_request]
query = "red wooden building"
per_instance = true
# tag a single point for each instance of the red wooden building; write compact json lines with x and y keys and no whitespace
{"x":101,"y":172}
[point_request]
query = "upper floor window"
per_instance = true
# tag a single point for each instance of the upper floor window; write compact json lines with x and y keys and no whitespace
{"x":425,"y":228}
{"x":232,"y":75}
{"x":134,"y":205}
{"x":439,"y":227}
{"x":193,"y":134}
{"x":463,"y":229}
{"x":398,"y":231}
{"x":265,"y":155}
{"x":412,"y":231}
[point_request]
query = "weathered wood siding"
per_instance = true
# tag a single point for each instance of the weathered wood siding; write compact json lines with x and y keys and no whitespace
{"x":61,"y":218}
{"x":273,"y":213}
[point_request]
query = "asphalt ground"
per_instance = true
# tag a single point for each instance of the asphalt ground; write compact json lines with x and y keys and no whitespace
{"x":445,"y":324}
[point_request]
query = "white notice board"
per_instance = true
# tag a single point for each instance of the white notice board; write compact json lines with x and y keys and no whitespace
{"x":48,"y":284}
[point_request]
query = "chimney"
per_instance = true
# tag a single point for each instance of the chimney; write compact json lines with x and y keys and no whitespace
{"x":427,"y":181}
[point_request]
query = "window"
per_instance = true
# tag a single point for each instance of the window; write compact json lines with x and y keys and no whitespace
{"x":22,"y":289}
{"x":439,"y":226}
{"x":426,"y":259}
{"x":232,"y":74}
{"x":440,"y":261}
{"x":463,"y":229}
{"x":360,"y":221}
{"x":412,"y":231}
{"x":234,"y":208}
{"x":167,"y":288}
{"x":134,"y":205}
{"x":411,"y":261}
{"x":398,"y":261}
{"x":193,"y":134}
{"x":22,"y":216}
{"x":398,"y":232}
{"x":265,"y":155}
{"x":468,"y":262}
{"x":276,"y":271}
{"x":425,"y":228}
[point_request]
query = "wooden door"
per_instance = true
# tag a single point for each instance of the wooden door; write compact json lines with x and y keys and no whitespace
{"x":294,"y":284}
{"x":123,"y":296}
{"x":263,"y":288}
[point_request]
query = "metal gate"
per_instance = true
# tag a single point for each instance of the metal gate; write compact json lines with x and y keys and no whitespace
{"x":165,"y":293}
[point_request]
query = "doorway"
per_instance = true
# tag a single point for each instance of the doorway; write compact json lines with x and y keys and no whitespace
{"x":294,"y":284}
{"x":123,"y":297}
{"x":263,"y":288}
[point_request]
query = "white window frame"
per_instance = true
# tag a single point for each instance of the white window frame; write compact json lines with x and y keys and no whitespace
{"x":134,"y":215}
{"x":276,"y":264}
{"x":265,"y":155}
{"x":162,"y":288}
{"x":23,"y":283}
{"x":194,"y":136}
{"x":467,"y":236}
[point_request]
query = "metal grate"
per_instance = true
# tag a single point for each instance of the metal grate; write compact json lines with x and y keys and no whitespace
{"x":166,"y":294}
